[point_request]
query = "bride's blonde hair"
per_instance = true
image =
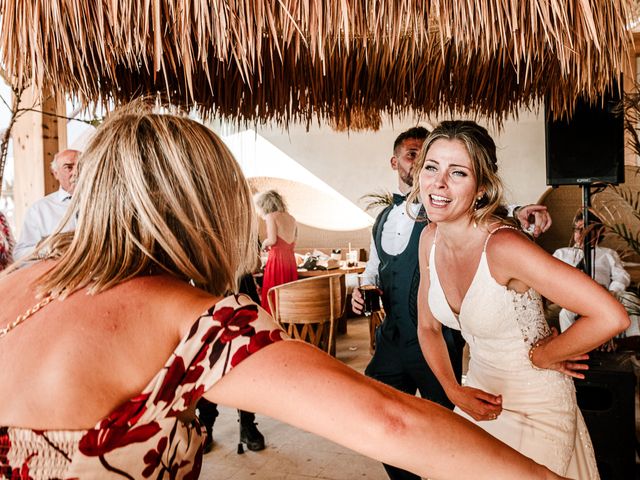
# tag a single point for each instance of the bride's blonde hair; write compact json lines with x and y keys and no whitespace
{"x":482,"y":151}
{"x":155,"y":192}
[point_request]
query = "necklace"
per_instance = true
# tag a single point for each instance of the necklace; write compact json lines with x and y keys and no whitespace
{"x":25,"y":315}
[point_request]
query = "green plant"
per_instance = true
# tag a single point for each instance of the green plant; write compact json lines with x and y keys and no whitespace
{"x":618,"y":206}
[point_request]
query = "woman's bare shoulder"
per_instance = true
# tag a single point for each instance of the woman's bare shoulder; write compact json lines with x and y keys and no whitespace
{"x":427,"y":234}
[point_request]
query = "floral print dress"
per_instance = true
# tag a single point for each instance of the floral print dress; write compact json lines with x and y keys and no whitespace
{"x":6,"y":243}
{"x":155,"y":434}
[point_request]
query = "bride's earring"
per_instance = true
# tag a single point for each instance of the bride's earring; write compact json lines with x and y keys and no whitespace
{"x":475,"y":207}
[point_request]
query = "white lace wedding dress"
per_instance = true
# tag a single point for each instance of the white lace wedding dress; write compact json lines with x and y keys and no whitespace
{"x":540,"y":417}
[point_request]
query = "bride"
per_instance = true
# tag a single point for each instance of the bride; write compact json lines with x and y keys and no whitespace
{"x":482,"y":276}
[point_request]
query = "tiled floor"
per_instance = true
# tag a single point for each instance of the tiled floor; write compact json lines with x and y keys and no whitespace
{"x":292,"y":454}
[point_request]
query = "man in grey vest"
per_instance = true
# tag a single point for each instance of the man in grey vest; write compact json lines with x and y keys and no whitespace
{"x":393,"y":266}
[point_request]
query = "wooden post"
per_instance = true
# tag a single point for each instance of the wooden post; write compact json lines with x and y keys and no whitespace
{"x":37,"y":137}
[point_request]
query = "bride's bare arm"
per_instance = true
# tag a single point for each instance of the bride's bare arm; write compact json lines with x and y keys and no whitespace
{"x":515,"y":260}
{"x":298,"y":384}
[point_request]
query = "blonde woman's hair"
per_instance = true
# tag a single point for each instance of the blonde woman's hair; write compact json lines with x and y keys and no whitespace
{"x":155,"y":193}
{"x":484,"y":162}
{"x":270,"y":201}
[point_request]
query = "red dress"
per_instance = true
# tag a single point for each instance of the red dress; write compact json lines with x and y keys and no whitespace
{"x":281,"y":268}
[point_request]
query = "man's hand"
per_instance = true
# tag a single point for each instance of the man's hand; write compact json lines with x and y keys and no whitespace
{"x":357,"y":302}
{"x":536,"y":215}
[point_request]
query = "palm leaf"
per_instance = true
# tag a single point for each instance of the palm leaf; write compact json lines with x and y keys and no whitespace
{"x":377,"y":200}
{"x":618,"y":206}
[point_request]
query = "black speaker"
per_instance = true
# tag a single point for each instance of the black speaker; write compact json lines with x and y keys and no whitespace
{"x":588,"y":147}
{"x":606,"y":398}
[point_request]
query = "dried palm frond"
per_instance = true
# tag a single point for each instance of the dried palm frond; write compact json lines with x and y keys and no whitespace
{"x":377,"y":200}
{"x":618,"y":207}
{"x":299,"y":60}
{"x":629,"y":107}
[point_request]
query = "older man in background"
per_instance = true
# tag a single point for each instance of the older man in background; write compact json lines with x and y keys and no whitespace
{"x":43,"y":217}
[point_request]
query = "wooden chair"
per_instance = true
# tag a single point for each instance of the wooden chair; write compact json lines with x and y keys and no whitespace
{"x":562,"y":203}
{"x":308,"y":309}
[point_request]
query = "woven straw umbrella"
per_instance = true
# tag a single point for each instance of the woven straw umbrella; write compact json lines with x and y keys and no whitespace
{"x":345,"y":61}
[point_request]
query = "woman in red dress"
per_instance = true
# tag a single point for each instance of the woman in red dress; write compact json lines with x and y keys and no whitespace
{"x":282,"y":231}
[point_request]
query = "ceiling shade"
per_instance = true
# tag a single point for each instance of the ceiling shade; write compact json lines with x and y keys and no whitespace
{"x":338,"y":61}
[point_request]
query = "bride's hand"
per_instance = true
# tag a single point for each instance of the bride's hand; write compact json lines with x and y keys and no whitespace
{"x":572,"y":367}
{"x":477,"y":403}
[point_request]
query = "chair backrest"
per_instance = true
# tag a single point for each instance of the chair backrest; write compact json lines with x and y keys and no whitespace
{"x":563,"y":203}
{"x":308,"y":309}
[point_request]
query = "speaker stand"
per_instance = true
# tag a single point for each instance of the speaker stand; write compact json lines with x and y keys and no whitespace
{"x":586,"y":244}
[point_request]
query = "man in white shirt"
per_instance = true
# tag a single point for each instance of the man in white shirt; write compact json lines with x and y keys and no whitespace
{"x":393,"y":266}
{"x":43,"y":217}
{"x":608,"y":271}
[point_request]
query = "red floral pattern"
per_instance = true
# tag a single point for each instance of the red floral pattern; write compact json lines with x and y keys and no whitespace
{"x":6,"y":243}
{"x":258,"y":341}
{"x":147,"y":436}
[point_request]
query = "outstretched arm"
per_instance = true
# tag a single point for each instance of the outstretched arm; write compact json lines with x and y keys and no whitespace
{"x":300,"y":385}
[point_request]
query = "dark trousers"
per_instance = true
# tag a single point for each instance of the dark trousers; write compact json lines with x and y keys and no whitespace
{"x":208,"y":412}
{"x":399,"y":363}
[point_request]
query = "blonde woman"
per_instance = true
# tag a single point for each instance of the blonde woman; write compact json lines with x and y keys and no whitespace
{"x":280,"y":242}
{"x":482,"y":276}
{"x":108,"y":342}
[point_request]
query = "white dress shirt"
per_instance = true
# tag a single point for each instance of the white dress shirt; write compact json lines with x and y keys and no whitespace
{"x":608,"y":269}
{"x":41,"y":220}
{"x":608,"y":272}
{"x":396,"y":232}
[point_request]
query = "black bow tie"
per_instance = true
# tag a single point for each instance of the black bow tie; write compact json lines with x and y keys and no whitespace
{"x":398,"y":199}
{"x":67,"y":198}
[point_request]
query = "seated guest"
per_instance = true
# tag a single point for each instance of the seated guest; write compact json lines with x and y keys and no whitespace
{"x":43,"y":216}
{"x":608,"y":271}
{"x":110,"y":339}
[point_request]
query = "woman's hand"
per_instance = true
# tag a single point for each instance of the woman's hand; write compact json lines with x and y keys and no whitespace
{"x":571,"y":367}
{"x":477,"y":403}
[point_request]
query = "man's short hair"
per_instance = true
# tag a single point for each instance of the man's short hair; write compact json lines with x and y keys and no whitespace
{"x":54,"y":162}
{"x":418,"y":133}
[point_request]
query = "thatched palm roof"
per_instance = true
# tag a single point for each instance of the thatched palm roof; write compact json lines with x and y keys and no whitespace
{"x":344,"y":60}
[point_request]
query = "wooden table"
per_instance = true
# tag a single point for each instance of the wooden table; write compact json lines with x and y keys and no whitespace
{"x":343,"y":270}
